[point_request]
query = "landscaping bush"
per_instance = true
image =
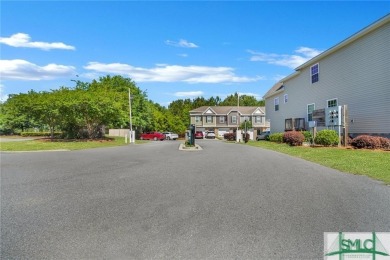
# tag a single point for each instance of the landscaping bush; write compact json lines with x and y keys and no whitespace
{"x":370,"y":142}
{"x":293,"y":138}
{"x":327,"y":137}
{"x":385,"y":143}
{"x":230,"y":136}
{"x":308,"y":136}
{"x":276,"y":137}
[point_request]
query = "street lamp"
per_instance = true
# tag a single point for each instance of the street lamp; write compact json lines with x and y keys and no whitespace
{"x":131,"y":137}
{"x":238,"y":117}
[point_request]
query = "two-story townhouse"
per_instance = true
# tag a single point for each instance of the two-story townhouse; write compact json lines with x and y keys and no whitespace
{"x":225,"y":119}
{"x":355,"y":72}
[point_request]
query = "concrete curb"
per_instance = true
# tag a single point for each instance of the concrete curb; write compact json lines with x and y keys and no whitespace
{"x":38,"y":151}
{"x":191,"y":149}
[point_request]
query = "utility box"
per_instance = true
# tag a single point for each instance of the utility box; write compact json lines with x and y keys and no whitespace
{"x":333,"y":116}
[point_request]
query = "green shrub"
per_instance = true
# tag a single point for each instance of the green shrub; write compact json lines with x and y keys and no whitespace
{"x":308,"y":136}
{"x":327,"y":137}
{"x":188,"y":144}
{"x":293,"y":138}
{"x":276,"y":137}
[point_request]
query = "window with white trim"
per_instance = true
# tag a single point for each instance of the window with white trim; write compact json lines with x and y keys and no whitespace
{"x":332,"y":102}
{"x":285,"y":97}
{"x":234,"y":119}
{"x":276,"y":104}
{"x":221,"y":119}
{"x":258,"y":119}
{"x":310,"y":109}
{"x":198,"y":119}
{"x":314,"y":73}
{"x":209,"y":119}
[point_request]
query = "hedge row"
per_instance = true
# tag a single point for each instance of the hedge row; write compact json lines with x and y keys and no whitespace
{"x":56,"y":134}
{"x":295,"y":138}
{"x":330,"y":138}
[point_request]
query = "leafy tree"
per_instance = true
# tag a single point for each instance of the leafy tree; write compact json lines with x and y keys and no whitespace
{"x":247,"y":125}
{"x":46,"y":109}
{"x":245,"y":100}
{"x":181,"y":108}
{"x":199,"y":102}
{"x":16,"y":112}
{"x":214,"y":101}
{"x":116,"y":89}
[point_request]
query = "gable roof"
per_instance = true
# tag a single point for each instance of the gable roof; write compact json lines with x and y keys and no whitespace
{"x":277,"y":88}
{"x":224,"y":110}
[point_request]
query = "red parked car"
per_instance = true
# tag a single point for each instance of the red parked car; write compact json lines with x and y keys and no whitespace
{"x":152,"y":136}
{"x":198,"y":135}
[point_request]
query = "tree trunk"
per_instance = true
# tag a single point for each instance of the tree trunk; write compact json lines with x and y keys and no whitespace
{"x":52,"y":133}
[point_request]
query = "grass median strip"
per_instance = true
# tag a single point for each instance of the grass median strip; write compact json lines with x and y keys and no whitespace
{"x":39,"y":145}
{"x":372,"y":163}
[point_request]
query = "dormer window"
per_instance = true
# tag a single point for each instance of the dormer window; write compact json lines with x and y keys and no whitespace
{"x":314,"y":73}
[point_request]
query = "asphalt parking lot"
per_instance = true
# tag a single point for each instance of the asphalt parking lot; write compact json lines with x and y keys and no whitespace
{"x":152,"y":201}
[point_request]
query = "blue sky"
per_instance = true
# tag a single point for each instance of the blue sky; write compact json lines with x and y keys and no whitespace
{"x":171,"y":49}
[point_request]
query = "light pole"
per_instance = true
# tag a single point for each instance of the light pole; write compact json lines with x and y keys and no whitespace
{"x":131,"y":139}
{"x":238,"y":117}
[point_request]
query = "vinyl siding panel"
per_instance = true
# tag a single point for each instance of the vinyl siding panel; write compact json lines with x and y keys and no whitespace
{"x":357,"y":75}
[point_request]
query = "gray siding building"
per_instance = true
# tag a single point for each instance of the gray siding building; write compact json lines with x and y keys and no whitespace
{"x":355,"y":72}
{"x":225,"y":119}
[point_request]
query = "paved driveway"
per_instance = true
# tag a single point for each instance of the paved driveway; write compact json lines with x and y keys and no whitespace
{"x":153,"y":201}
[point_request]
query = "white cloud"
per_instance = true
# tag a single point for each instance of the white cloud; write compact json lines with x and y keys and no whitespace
{"x":278,"y":77}
{"x":3,"y":97}
{"x":172,"y":73}
{"x":184,"y":55}
{"x":24,"y":40}
{"x":188,"y":94}
{"x":24,"y":70}
{"x":181,"y":43}
{"x":302,"y":55}
{"x":250,"y":94}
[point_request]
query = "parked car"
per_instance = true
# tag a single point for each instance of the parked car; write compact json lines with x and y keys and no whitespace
{"x":263,"y":136}
{"x":198,"y":135}
{"x":170,"y":135}
{"x":152,"y":136}
{"x":210,"y":135}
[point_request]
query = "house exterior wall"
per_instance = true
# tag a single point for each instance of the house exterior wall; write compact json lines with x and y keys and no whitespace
{"x":218,"y":122}
{"x":230,"y":118}
{"x":356,"y":75}
{"x":227,"y":113}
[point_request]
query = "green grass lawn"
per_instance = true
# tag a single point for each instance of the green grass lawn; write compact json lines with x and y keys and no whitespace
{"x":37,"y":145}
{"x":375,"y":164}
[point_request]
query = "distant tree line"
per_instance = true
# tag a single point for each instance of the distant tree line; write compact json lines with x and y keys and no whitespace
{"x":85,"y":110}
